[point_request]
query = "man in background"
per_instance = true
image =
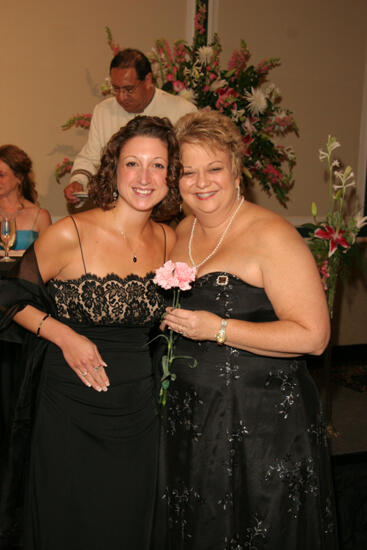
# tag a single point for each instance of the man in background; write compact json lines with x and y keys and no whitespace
{"x":134,"y":93}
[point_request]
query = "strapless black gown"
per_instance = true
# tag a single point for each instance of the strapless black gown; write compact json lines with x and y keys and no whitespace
{"x":93,"y":466}
{"x":244,"y":458}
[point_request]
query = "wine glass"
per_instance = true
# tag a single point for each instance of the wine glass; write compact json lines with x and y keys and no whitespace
{"x":8,"y":234}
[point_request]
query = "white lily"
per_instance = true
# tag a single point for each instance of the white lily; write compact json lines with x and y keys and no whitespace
{"x":216,"y":84}
{"x":323,"y":155}
{"x":332,"y":144}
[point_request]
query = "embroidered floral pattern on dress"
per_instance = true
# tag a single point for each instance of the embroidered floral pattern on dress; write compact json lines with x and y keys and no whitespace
{"x":299,"y":476}
{"x":254,"y":538}
{"x":318,"y":431}
{"x":328,"y":524}
{"x":108,"y":300}
{"x":229,"y":372}
{"x":226,"y":502}
{"x":181,"y":501}
{"x":180,"y":410}
{"x":234,"y":438}
{"x":288,"y":387}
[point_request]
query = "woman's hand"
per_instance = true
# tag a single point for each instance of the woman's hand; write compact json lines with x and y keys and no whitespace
{"x":83,"y":357}
{"x":196,"y":325}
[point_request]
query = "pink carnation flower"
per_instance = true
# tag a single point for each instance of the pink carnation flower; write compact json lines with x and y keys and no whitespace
{"x":174,"y":275}
{"x":184,"y":275}
{"x":164,"y":276}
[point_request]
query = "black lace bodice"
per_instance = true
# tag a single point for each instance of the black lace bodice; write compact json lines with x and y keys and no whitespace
{"x":109,"y":300}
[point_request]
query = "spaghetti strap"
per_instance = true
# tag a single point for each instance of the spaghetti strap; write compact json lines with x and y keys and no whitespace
{"x":80,"y":243}
{"x":35,"y":218}
{"x":165,"y":243}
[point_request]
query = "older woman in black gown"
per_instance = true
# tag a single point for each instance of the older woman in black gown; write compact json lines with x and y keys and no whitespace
{"x":245,"y":459}
{"x":86,"y":291}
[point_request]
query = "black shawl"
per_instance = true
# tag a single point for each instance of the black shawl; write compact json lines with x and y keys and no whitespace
{"x":22,"y":286}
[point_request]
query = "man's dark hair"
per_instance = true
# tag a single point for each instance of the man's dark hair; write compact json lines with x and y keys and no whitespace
{"x":130,"y":58}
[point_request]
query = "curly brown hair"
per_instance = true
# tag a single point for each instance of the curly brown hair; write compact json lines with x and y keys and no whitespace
{"x":104,"y":183}
{"x":21,"y":165}
{"x":213,"y":130}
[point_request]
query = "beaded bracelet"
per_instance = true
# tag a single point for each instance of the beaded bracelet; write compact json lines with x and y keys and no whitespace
{"x":41,"y":323}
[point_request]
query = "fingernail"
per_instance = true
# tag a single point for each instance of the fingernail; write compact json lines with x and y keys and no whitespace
{"x":89,"y":385}
{"x":99,"y":389}
{"x":105,"y":389}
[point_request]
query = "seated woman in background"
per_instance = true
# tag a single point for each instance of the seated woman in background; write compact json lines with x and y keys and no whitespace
{"x":18,"y":196}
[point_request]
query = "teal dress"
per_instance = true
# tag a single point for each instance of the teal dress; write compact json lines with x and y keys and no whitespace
{"x":24,"y":239}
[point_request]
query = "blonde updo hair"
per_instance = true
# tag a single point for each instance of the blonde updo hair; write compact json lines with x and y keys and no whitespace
{"x":212,"y":130}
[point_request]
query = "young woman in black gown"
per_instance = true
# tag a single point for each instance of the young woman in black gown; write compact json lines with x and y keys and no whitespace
{"x":245,"y":462}
{"x":93,"y":459}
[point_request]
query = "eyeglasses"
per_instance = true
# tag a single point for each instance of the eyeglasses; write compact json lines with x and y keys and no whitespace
{"x":129,"y":90}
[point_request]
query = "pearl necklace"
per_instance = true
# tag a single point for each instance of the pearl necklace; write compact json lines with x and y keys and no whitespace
{"x":221,"y":238}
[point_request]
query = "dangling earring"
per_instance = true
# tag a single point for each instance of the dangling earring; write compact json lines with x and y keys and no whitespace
{"x":115,"y":196}
{"x":238,"y":192}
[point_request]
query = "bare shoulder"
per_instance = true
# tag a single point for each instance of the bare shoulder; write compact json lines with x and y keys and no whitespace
{"x":58,"y":235}
{"x":270,"y":230}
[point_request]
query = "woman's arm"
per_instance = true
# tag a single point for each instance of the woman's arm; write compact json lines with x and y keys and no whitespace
{"x":55,"y":250}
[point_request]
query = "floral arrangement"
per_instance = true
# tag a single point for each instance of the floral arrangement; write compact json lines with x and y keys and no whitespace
{"x":240,"y":91}
{"x":176,"y":276}
{"x":333,"y":240}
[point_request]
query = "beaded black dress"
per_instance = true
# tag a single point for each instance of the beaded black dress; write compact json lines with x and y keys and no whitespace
{"x":244,"y":458}
{"x":93,"y":457}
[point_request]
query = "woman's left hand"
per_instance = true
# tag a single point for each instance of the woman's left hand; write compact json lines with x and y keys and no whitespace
{"x":196,"y":325}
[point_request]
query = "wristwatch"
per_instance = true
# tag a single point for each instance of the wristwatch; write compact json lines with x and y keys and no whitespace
{"x":220,"y":337}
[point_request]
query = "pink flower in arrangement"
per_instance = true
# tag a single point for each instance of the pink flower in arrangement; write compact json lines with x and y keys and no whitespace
{"x":178,"y":86}
{"x":170,"y":77}
{"x":324,"y":272}
{"x":335,"y":237}
{"x":227,"y":96}
{"x":238,"y":61}
{"x":175,"y":275}
{"x":263,"y":67}
{"x":247,"y":140}
{"x":273,"y":173}
{"x":115,"y":49}
{"x":179,"y":52}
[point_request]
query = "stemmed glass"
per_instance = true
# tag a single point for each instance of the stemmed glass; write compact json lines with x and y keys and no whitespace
{"x":8,"y":234}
